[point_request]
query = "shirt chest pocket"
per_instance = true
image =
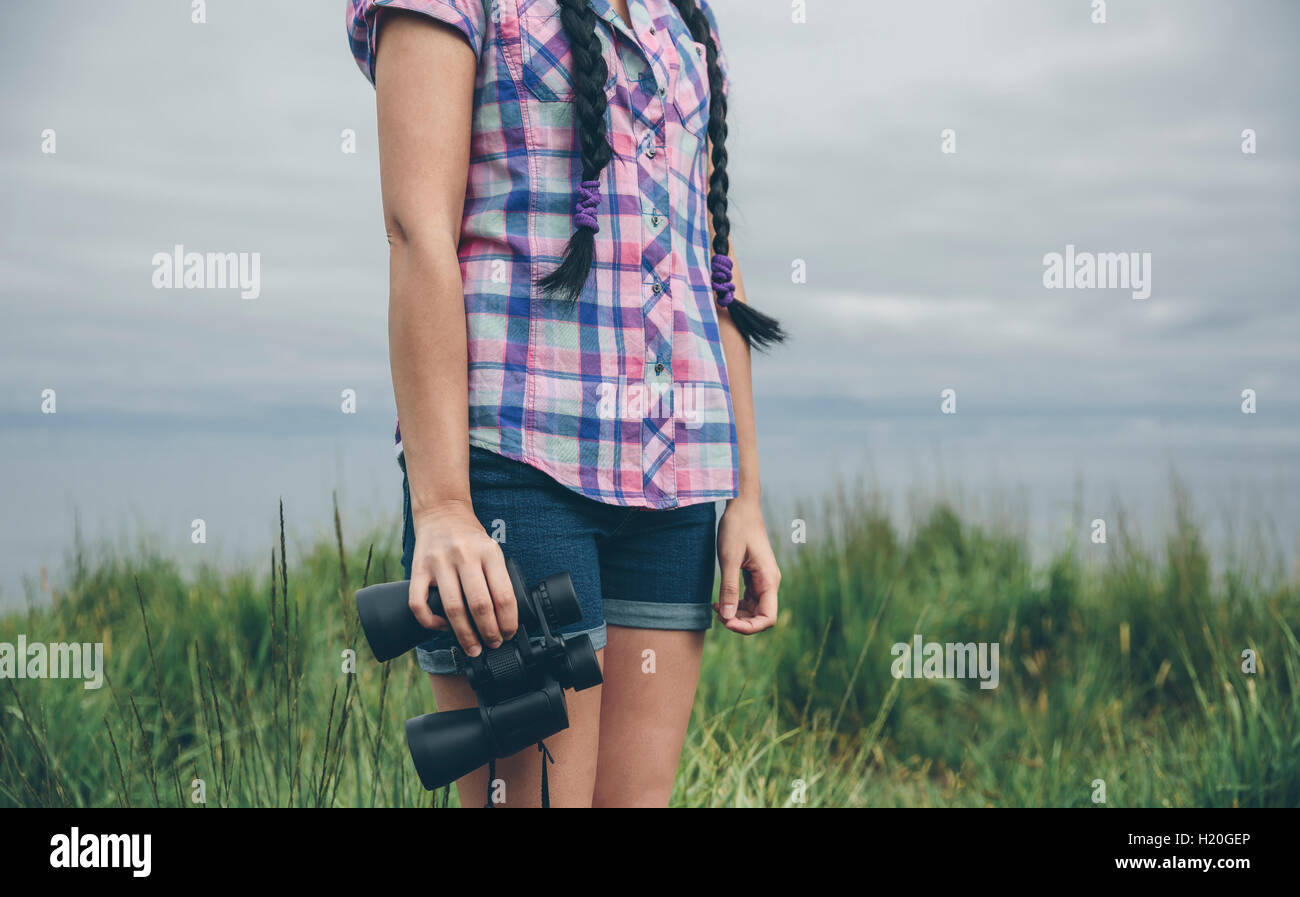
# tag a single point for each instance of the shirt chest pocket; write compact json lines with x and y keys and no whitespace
{"x":691,"y":93}
{"x":547,"y":58}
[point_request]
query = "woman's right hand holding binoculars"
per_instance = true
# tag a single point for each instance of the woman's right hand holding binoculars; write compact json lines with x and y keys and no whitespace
{"x":454,"y":554}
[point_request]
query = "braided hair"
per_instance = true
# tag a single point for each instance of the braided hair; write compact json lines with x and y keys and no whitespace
{"x":589,"y":76}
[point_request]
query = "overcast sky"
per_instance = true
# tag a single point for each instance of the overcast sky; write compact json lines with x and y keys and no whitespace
{"x":924,"y":268}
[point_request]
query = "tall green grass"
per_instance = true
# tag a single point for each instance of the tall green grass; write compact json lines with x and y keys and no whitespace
{"x":1117,"y":664}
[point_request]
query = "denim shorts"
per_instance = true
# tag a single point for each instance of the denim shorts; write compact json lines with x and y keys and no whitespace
{"x":636,"y":567}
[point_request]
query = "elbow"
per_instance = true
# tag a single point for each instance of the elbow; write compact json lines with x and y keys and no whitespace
{"x":409,"y":234}
{"x":394,"y":231}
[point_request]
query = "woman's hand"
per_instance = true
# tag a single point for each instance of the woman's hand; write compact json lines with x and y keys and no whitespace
{"x":454,"y":553}
{"x":743,"y":545}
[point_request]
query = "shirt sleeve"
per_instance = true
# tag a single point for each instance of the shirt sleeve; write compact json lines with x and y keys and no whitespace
{"x":467,"y":16}
{"x":717,"y":42}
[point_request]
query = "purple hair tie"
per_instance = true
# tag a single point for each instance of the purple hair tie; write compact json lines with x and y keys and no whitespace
{"x":584,"y":213}
{"x":722,"y":285}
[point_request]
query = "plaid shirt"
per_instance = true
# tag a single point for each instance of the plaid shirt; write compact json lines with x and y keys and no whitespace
{"x":623,"y":398}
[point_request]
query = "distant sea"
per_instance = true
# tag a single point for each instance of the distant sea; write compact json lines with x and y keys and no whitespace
{"x":123,"y":481}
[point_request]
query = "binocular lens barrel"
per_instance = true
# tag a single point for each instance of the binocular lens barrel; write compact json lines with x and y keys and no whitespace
{"x":557,"y":591}
{"x":447,"y":745}
{"x":392,"y":629}
{"x":581,"y":666}
{"x":387,"y":620}
{"x":450,"y":744}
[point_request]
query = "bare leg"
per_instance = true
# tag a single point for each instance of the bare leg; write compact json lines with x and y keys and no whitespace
{"x":572,"y":776}
{"x":644,"y":715}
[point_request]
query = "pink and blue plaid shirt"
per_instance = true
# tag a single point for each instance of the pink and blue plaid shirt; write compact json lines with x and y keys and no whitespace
{"x":624,"y":397}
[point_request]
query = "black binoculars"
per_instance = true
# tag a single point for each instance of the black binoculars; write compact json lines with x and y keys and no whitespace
{"x":519,"y":685}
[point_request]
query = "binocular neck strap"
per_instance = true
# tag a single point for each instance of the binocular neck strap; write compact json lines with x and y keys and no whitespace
{"x":492,"y":777}
{"x":547,"y":757}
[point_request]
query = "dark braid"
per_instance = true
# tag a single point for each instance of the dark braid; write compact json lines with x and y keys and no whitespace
{"x":589,"y":76}
{"x":590,"y":104}
{"x":758,"y":329}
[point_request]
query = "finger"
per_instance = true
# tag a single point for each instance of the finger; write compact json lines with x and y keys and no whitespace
{"x":743,"y":621}
{"x":759,"y":608}
{"x":746,"y":625}
{"x":768,"y":604}
{"x":453,"y":606}
{"x":729,"y":591}
{"x":479,"y":601}
{"x":744,"y":608}
{"x":503,"y":593}
{"x":418,"y":596}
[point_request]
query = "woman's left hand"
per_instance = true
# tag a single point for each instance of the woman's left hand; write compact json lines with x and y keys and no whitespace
{"x":743,"y":546}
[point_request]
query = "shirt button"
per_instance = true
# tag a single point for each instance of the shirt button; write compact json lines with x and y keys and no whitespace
{"x":650,"y":152}
{"x":662,"y":91}
{"x":659,"y":368}
{"x":656,"y":288}
{"x":654,"y":220}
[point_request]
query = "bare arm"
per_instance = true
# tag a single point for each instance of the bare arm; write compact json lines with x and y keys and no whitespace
{"x":742,"y":536}
{"x":740,"y":377}
{"x":424,"y":79}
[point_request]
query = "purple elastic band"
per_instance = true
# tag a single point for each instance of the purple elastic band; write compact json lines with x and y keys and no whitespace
{"x":722,"y":285}
{"x":584,"y":213}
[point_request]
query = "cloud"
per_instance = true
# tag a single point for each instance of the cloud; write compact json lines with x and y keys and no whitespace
{"x":922,"y":267}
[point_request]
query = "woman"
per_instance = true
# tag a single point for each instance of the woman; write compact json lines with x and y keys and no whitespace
{"x":570,"y":363}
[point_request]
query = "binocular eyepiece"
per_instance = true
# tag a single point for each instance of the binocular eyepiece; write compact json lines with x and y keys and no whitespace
{"x":519,"y":685}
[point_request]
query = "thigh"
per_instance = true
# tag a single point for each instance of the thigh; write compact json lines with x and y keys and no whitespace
{"x":650,"y":680}
{"x":657,"y":575}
